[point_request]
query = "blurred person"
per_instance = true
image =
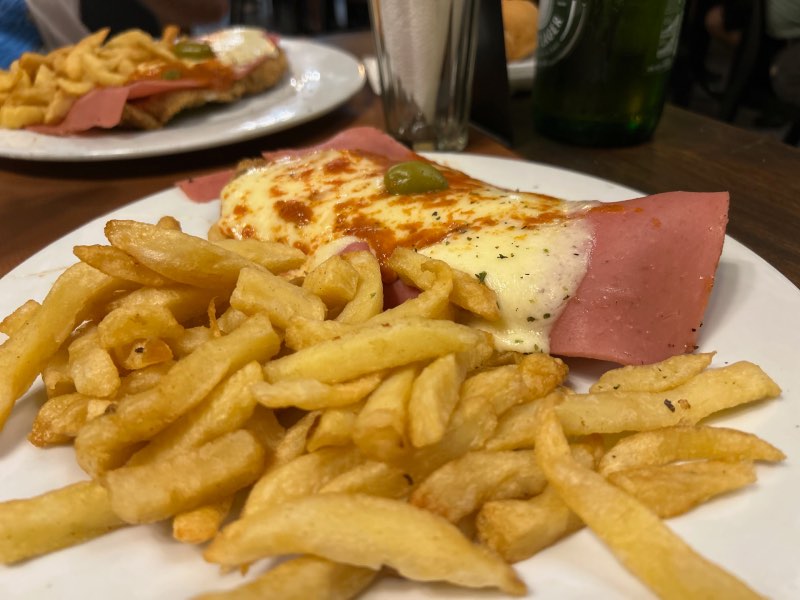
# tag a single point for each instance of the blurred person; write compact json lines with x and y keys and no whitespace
{"x":783,"y":23}
{"x":42,"y":25}
{"x":725,"y":20}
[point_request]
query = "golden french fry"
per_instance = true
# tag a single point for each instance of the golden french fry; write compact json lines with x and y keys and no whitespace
{"x":75,"y":88}
{"x":647,"y":547}
{"x":472,"y":295}
{"x":55,"y":520}
{"x":462,"y":289}
{"x":212,"y":472}
{"x":227,"y":408}
{"x":91,"y":367}
{"x":516,"y":428}
{"x":230,"y":320}
{"x":128,"y":324}
{"x":435,"y":280}
{"x":657,"y":377}
{"x":365,"y":531}
{"x":709,"y":392}
{"x":379,"y":430}
{"x":201,"y":524}
{"x":518,"y":529}
{"x":373,"y":478}
{"x":178,"y":256}
{"x":56,"y":375}
{"x":294,"y":441}
{"x":191,"y":340}
{"x":301,"y":332}
{"x":373,"y":349}
{"x":117,"y":263}
{"x":59,"y":420}
{"x":269,"y":432}
{"x":303,"y":578}
{"x":275,"y":257}
{"x":17,"y":319}
{"x":259,"y":291}
{"x":23,"y":356}
{"x":183,"y":302}
{"x":672,"y":444}
{"x":169,"y":222}
{"x":310,"y":394}
{"x":140,"y":380}
{"x":462,"y":486}
{"x":671,"y":490}
{"x":144,"y":353}
{"x":334,"y":281}
{"x":60,"y":104}
{"x":107,"y":442}
{"x":334,"y":427}
{"x":101,"y":73}
{"x":17,"y":117}
{"x":433,"y":398}
{"x":302,"y":476}
{"x":368,"y":299}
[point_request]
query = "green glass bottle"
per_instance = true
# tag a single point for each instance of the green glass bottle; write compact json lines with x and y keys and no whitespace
{"x":602,"y":68}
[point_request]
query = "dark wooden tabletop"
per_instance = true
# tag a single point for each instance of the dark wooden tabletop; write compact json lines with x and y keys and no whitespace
{"x":42,"y":201}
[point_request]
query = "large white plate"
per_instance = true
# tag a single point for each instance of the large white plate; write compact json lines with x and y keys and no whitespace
{"x":320,"y":78}
{"x":754,"y":314}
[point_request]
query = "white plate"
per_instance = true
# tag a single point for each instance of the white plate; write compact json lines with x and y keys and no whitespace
{"x":754,"y":314}
{"x":521,"y":72}
{"x":320,"y":78}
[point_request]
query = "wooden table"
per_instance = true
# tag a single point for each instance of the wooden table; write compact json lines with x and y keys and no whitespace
{"x":40,"y":201}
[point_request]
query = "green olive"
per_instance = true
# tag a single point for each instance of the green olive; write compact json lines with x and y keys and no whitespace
{"x":192,"y":50}
{"x":414,"y":177}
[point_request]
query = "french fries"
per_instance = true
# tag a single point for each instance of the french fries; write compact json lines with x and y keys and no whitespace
{"x":269,"y":415}
{"x":363,"y":530}
{"x":635,"y":534}
{"x":40,"y":89}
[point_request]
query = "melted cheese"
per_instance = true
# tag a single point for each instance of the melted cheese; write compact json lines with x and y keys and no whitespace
{"x":532,"y":250}
{"x":241,"y":47}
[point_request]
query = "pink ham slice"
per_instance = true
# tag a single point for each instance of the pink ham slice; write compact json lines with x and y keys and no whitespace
{"x":649,"y":276}
{"x":648,"y":281}
{"x":102,"y":107}
{"x":365,"y":139}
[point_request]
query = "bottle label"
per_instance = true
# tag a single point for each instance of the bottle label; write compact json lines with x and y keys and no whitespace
{"x":560,"y":26}
{"x":668,"y":37}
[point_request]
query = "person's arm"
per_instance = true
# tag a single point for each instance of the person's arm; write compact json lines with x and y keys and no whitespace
{"x":186,"y":13}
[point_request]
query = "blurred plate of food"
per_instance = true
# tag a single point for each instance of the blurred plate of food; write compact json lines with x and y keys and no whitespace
{"x":317,"y":79}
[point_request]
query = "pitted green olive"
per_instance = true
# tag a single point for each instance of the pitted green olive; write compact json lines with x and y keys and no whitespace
{"x":414,"y":177}
{"x":192,"y":50}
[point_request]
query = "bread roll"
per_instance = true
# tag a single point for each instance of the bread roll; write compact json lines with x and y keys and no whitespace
{"x":520,"y":24}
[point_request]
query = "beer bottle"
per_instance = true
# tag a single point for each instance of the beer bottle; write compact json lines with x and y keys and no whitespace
{"x":602,"y":67}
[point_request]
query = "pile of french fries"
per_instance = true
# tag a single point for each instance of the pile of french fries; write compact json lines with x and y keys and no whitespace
{"x":40,"y":89}
{"x":271,"y":413}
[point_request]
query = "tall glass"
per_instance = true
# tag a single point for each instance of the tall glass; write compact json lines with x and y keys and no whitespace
{"x":426,"y":60}
{"x":602,"y":68}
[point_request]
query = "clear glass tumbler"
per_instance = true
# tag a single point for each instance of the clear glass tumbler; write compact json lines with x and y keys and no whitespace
{"x":426,"y":60}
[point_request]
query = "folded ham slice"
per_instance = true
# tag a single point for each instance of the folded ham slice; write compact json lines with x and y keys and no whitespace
{"x":644,"y":277}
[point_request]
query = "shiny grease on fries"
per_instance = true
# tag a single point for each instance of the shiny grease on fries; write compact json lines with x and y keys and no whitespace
{"x":202,"y":381}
